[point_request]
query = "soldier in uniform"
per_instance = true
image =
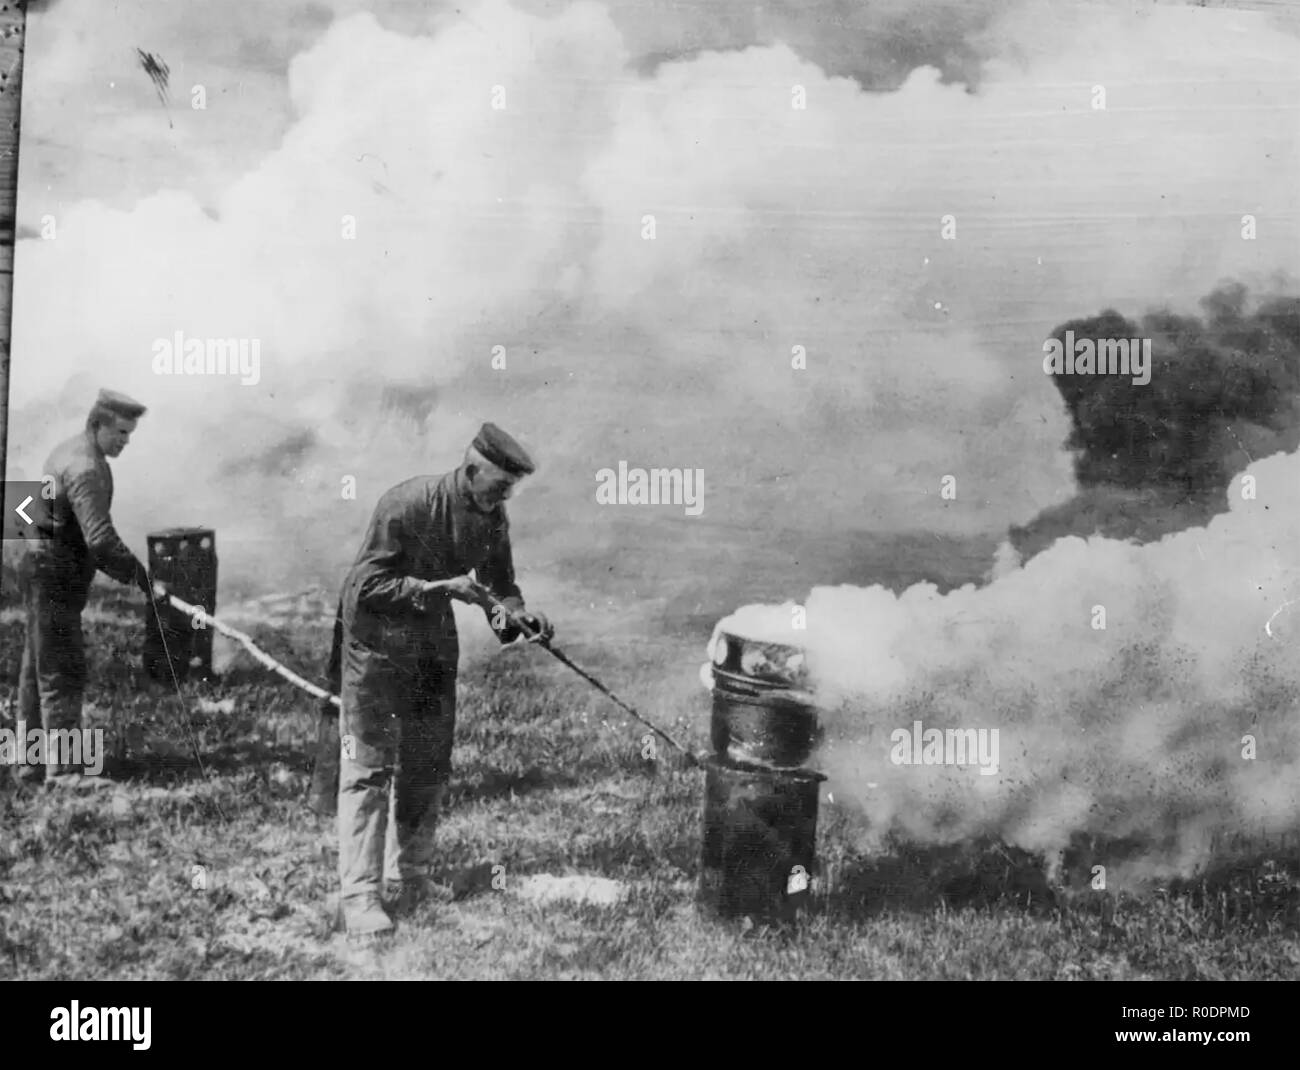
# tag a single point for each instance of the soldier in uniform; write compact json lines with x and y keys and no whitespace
{"x":74,"y":539}
{"x":399,"y":662}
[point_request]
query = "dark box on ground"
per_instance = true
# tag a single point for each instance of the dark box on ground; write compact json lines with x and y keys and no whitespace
{"x":184,"y":560}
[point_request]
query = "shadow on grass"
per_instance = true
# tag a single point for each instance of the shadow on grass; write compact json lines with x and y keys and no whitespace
{"x":480,"y":782}
{"x":1257,"y":892}
{"x":1256,"y":886}
{"x":921,"y":879}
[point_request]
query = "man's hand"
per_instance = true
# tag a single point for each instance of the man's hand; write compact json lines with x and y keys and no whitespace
{"x":539,"y":629}
{"x":509,"y":620}
{"x":461,"y":588}
{"x":141,"y":578}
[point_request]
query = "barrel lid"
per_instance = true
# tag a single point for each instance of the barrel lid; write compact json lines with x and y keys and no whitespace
{"x":176,"y":533}
{"x":755,"y":692}
{"x":767,"y":660}
{"x":767,"y":772}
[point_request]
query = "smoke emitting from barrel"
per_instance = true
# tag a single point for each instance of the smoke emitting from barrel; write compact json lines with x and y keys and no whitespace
{"x":758,"y":852}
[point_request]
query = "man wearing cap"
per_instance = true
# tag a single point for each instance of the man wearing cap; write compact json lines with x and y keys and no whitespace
{"x":75,"y":538}
{"x":399,"y":661}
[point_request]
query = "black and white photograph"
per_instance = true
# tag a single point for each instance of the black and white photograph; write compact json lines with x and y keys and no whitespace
{"x":640,"y":490}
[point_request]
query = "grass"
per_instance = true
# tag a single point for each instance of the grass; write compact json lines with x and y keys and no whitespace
{"x":223,"y":873}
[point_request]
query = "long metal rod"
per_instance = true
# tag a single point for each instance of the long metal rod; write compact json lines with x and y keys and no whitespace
{"x":199,"y":613}
{"x":564,"y":660}
{"x":534,"y":638}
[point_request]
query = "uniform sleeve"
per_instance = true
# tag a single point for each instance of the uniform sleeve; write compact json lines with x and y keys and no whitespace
{"x":88,"y":498}
{"x":383,"y":585}
{"x":499,"y":572}
{"x":499,"y":577}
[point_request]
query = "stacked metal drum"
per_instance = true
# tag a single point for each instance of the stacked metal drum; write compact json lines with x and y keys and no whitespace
{"x":758,"y":856}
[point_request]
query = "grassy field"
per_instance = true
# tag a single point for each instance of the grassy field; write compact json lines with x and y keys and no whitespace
{"x":549,"y":782}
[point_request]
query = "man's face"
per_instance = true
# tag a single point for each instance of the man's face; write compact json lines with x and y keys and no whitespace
{"x":489,"y":486}
{"x":113,"y":434}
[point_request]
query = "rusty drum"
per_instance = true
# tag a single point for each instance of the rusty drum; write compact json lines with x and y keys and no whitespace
{"x":758,"y":854}
{"x":763,"y":713}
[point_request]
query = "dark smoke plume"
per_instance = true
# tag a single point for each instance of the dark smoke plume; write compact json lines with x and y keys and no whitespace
{"x":1158,"y":457}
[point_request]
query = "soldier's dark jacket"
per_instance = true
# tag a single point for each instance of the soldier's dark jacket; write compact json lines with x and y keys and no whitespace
{"x":429,"y":529}
{"x":80,"y":533}
{"x":426,"y":528}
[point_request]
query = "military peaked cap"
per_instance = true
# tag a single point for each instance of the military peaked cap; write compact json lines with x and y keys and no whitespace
{"x":119,"y":405}
{"x":503,"y":451}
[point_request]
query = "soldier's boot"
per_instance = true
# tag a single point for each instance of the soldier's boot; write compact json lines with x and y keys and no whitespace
{"x":365,"y":919}
{"x":412,"y":888}
{"x":26,"y":777}
{"x":407,"y":882}
{"x":73,"y":775}
{"x":407,"y":896}
{"x":414,"y":822}
{"x":363,"y":827}
{"x":62,"y":713}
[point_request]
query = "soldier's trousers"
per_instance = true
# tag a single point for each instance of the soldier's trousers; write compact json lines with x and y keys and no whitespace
{"x":396,"y":731}
{"x":52,"y":680}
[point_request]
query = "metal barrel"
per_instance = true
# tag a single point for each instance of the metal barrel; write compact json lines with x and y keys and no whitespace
{"x":758,"y":854}
{"x":771,"y":727}
{"x":185,"y":561}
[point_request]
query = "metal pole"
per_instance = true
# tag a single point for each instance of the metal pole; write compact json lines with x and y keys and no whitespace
{"x":14,"y":23}
{"x":201,"y":614}
{"x":563,"y":659}
{"x":197,"y":612}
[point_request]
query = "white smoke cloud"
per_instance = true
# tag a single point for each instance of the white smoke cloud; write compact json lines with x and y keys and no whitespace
{"x":1135,"y":689}
{"x":776,"y":227}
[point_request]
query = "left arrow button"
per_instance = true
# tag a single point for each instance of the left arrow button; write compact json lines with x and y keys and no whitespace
{"x":27,"y":514}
